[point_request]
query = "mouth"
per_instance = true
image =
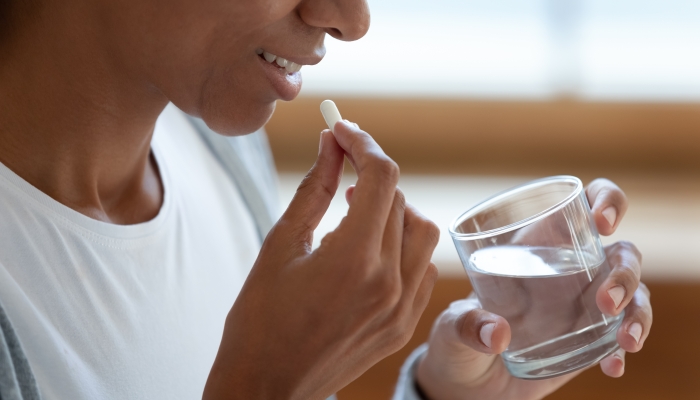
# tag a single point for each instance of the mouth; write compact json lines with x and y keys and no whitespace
{"x":281,"y":63}
{"x":283,"y":74}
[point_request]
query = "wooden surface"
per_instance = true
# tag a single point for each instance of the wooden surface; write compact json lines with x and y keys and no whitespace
{"x":667,"y":368}
{"x":486,"y":137}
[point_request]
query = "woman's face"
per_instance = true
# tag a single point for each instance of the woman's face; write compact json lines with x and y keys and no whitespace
{"x":205,"y":55}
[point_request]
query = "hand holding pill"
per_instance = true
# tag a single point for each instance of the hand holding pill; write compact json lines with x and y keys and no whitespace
{"x":356,"y":298}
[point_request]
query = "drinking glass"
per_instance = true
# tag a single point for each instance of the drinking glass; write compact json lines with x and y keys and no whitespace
{"x":534,"y":257}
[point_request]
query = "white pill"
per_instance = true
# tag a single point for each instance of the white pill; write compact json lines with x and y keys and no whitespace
{"x":330,"y":113}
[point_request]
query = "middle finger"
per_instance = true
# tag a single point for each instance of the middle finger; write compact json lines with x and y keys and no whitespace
{"x":618,"y":288}
{"x":420,"y":237}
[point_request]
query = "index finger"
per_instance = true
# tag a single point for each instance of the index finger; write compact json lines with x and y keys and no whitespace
{"x":377,"y":177}
{"x":608,"y":204}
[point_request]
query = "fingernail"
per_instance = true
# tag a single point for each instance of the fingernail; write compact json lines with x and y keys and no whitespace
{"x":486,"y":332}
{"x":352,"y":123}
{"x":617,"y":293}
{"x":610,"y":214}
{"x":635,"y":330}
{"x":320,"y":144}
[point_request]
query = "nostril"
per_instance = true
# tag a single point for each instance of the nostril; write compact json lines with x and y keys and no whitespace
{"x":335,"y":32}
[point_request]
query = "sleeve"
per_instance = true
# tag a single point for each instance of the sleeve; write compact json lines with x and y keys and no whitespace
{"x":406,"y":388}
{"x":16,"y":378}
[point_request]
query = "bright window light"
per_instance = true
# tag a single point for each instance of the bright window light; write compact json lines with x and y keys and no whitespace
{"x":532,"y":49}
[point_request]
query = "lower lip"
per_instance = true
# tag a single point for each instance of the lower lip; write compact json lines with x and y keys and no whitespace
{"x":286,"y":85}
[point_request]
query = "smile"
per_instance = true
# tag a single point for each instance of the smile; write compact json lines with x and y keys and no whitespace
{"x":289,"y":66}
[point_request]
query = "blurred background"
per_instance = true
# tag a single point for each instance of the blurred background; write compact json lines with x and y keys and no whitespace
{"x":472,"y":97}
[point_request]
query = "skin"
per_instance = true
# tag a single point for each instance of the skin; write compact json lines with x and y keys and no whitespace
{"x":460,"y":365}
{"x":81,"y":86}
{"x":332,"y":313}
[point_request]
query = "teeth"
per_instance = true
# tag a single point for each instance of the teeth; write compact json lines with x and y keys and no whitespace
{"x":293,"y":67}
{"x":289,"y":66}
{"x":281,"y":62}
{"x":269,"y":57}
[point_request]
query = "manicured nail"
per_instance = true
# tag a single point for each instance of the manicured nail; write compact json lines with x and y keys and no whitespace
{"x":610,"y":214}
{"x":486,"y":332}
{"x":635,"y":330}
{"x":617,"y":293}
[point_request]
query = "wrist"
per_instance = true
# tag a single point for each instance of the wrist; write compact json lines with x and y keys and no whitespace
{"x":238,"y":382}
{"x":417,"y":387}
{"x":224,"y":383}
{"x":431,"y":381}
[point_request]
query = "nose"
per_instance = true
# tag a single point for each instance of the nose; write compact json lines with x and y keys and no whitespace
{"x":346,"y":20}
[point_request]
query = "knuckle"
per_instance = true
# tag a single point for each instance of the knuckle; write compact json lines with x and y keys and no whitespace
{"x":624,"y":247}
{"x":428,"y":230}
{"x":392,"y":291}
{"x":433,"y":233}
{"x":386,"y":168}
{"x":366,"y":263}
{"x":626,"y":275}
{"x":308,"y":181}
{"x":643,"y":287}
{"x":603,"y":184}
{"x":606,"y":189}
{"x":432,"y":273}
{"x":400,"y":198}
{"x":599,"y":181}
{"x":632,"y":248}
{"x":384,"y":292}
{"x":285,"y":229}
{"x":397,"y":336}
{"x":596,"y":186}
{"x":643,"y":315}
{"x":401,"y":338}
{"x":467,"y":322}
{"x":647,"y":314}
{"x":445,"y":319}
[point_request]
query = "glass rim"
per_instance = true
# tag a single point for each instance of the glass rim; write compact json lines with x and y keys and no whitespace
{"x":578,"y":188}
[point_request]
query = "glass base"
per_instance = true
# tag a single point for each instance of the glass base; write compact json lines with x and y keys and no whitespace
{"x":522,"y":365}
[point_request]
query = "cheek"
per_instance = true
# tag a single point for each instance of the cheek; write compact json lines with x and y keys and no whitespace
{"x":232,"y":97}
{"x":215,"y":74}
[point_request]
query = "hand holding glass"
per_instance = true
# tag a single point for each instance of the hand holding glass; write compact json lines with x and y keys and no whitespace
{"x":534,"y":257}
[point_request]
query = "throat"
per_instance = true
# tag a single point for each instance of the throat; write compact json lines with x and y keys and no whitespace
{"x":135,"y":201}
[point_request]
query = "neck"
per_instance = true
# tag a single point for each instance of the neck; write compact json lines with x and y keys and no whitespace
{"x":75,"y":123}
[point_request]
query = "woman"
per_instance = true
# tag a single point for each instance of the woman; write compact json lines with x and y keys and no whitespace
{"x":123,"y":250}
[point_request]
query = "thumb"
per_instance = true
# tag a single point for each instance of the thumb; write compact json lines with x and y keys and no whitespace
{"x":479,"y":329}
{"x":313,"y":195}
{"x":464,"y":343}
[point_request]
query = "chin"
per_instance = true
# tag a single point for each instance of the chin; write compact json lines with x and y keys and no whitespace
{"x":237,"y":119}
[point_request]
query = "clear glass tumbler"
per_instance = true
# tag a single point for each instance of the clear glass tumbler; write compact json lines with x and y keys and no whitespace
{"x":534,"y":257}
